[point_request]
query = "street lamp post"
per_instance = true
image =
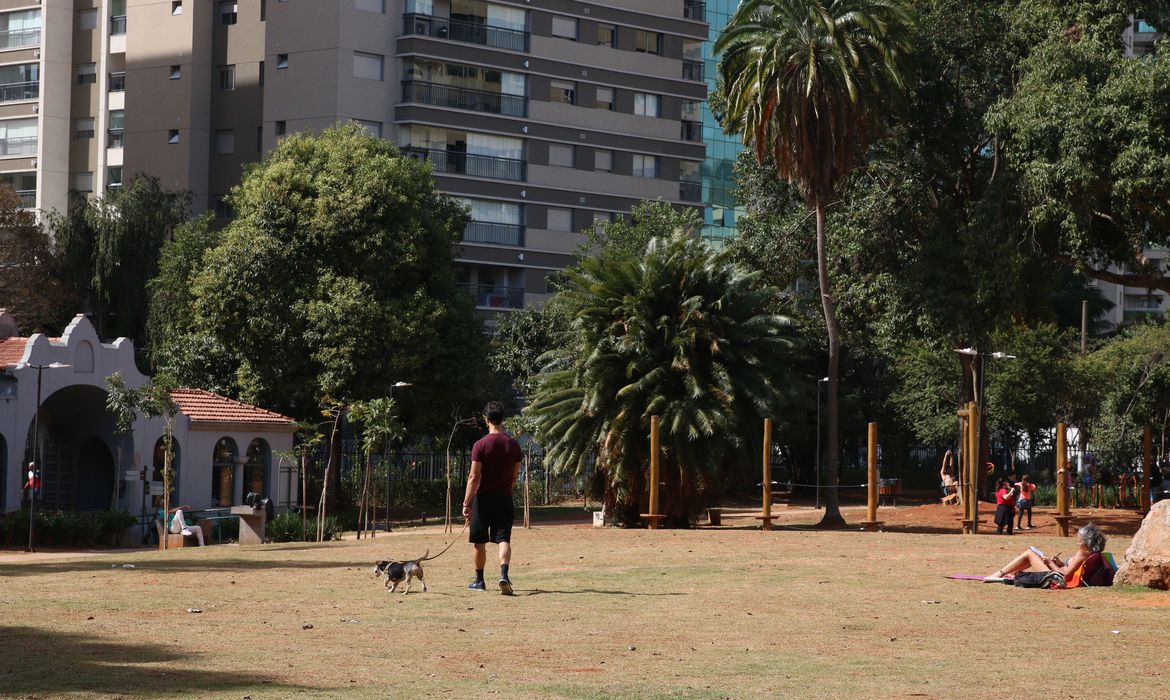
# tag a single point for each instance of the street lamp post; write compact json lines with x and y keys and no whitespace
{"x":34,"y":478}
{"x":390,"y":472}
{"x":818,"y":496}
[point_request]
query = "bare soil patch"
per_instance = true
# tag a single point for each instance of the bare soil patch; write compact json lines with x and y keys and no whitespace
{"x":705,"y":613}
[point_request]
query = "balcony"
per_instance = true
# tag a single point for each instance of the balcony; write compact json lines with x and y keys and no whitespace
{"x":695,"y":10}
{"x":117,"y":25}
{"x":115,"y":138}
{"x":118,"y":82}
{"x":24,"y":146}
{"x":690,"y":191}
{"x":20,"y":91}
{"x":28,"y":198}
{"x":692,"y":70}
{"x":462,"y":30}
{"x":494,"y":233}
{"x":19,"y":38}
{"x":494,"y":296}
{"x":691,"y":131}
{"x":459,"y":163}
{"x":464,"y":98}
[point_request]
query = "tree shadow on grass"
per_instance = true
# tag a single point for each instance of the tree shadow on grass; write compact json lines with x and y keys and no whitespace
{"x":241,"y":564}
{"x":541,"y":591}
{"x":40,"y":662}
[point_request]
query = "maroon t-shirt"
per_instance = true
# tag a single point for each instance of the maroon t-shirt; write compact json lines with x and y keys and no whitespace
{"x":498,"y":453}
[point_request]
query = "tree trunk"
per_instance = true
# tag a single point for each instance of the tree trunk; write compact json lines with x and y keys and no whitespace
{"x":304,"y":496}
{"x":832,"y":517}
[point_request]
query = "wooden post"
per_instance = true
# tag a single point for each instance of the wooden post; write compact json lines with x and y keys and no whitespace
{"x":653,"y":517}
{"x":1144,"y":488}
{"x":871,"y":521}
{"x":527,"y":520}
{"x":1062,"y":480}
{"x":767,"y":480}
{"x":975,"y":466}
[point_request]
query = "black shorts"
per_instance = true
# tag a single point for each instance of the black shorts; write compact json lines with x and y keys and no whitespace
{"x":491,"y":518}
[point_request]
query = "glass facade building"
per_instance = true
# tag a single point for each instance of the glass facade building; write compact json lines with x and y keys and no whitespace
{"x":720,"y":208}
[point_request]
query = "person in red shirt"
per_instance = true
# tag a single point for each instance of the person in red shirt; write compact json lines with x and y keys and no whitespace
{"x":495,"y":464}
{"x":1005,"y":505}
{"x":1024,"y":503}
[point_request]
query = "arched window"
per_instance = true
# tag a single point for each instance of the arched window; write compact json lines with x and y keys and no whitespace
{"x":158,"y":461}
{"x":256,"y":467}
{"x":223,"y":470}
{"x":3,"y":471}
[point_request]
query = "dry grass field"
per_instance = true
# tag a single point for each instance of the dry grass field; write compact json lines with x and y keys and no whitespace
{"x":709,"y":613}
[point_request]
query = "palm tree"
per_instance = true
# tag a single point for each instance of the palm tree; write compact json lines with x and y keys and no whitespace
{"x":807,"y":82}
{"x":679,"y":332}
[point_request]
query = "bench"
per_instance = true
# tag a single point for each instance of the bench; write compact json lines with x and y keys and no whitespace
{"x":891,"y":488}
{"x":175,"y":541}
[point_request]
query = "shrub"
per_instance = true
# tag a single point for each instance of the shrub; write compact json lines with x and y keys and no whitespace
{"x":285,"y":527}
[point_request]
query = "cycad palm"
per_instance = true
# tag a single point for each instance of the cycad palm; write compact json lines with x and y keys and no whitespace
{"x":807,"y":82}
{"x":680,"y":333}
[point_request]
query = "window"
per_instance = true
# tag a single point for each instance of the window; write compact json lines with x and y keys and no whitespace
{"x":82,"y":182}
{"x":20,"y":82}
{"x":281,"y":60}
{"x":647,"y":42}
{"x":176,"y":7}
{"x":603,"y":160}
{"x":227,"y":77}
{"x":606,"y":35}
{"x":261,"y":74}
{"x":87,"y":20}
{"x":281,"y":128}
{"x":86,"y":73}
{"x":83,"y":128}
{"x":560,"y":219}
{"x":227,"y":12}
{"x":564,"y":27}
{"x":645,"y":166}
{"x":560,"y":155}
{"x":259,"y":139}
{"x":225,"y":142}
{"x":223,"y":458}
{"x":176,"y":72}
{"x":20,"y":29}
{"x":256,"y":465}
{"x":114,"y":177}
{"x":367,"y":66}
{"x":263,"y":10}
{"x":173,"y":136}
{"x":117,"y":17}
{"x":645,"y":104}
{"x":376,"y":6}
{"x":375,"y":128}
{"x":563,"y":91}
{"x":18,"y":137}
{"x":223,"y":208}
{"x":118,"y":81}
{"x":115,"y":128}
{"x":604,"y":99}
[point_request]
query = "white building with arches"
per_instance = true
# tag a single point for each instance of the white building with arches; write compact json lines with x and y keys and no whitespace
{"x":223,"y":448}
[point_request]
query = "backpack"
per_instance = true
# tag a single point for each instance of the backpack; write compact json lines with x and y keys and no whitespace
{"x":1038,"y":579}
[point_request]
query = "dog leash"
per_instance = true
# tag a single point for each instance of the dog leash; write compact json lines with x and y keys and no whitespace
{"x":453,"y":540}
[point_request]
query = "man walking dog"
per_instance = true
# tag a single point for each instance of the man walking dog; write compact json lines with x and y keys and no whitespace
{"x":495,"y":464}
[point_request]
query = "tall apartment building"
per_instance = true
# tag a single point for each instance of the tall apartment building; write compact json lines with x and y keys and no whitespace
{"x":542,"y":117}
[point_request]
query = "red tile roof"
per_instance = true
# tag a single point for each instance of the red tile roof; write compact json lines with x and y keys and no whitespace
{"x":11,"y":350}
{"x":205,"y":407}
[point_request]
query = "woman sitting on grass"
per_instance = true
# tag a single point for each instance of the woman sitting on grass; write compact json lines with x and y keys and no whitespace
{"x":1090,"y":539}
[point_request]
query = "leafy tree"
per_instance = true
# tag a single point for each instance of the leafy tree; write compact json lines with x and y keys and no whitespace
{"x":629,"y":234}
{"x":29,"y":283}
{"x":335,"y":279}
{"x":521,"y":339}
{"x":806,"y":82}
{"x":678,"y":332}
{"x":380,"y":427}
{"x":124,"y":404}
{"x":110,"y":249}
{"x":1085,"y":129}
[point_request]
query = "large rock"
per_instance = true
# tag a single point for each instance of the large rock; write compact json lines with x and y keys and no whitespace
{"x":1147,"y":561}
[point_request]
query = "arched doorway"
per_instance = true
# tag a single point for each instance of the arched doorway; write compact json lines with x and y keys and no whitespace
{"x":223,"y":471}
{"x":76,"y":463}
{"x":3,"y":474}
{"x":256,"y":468}
{"x":159,"y":460}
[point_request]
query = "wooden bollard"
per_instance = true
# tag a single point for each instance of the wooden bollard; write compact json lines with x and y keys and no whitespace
{"x":766,"y":516}
{"x":973,"y":476}
{"x":1062,"y":481}
{"x":653,"y":518}
{"x":871,"y":521}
